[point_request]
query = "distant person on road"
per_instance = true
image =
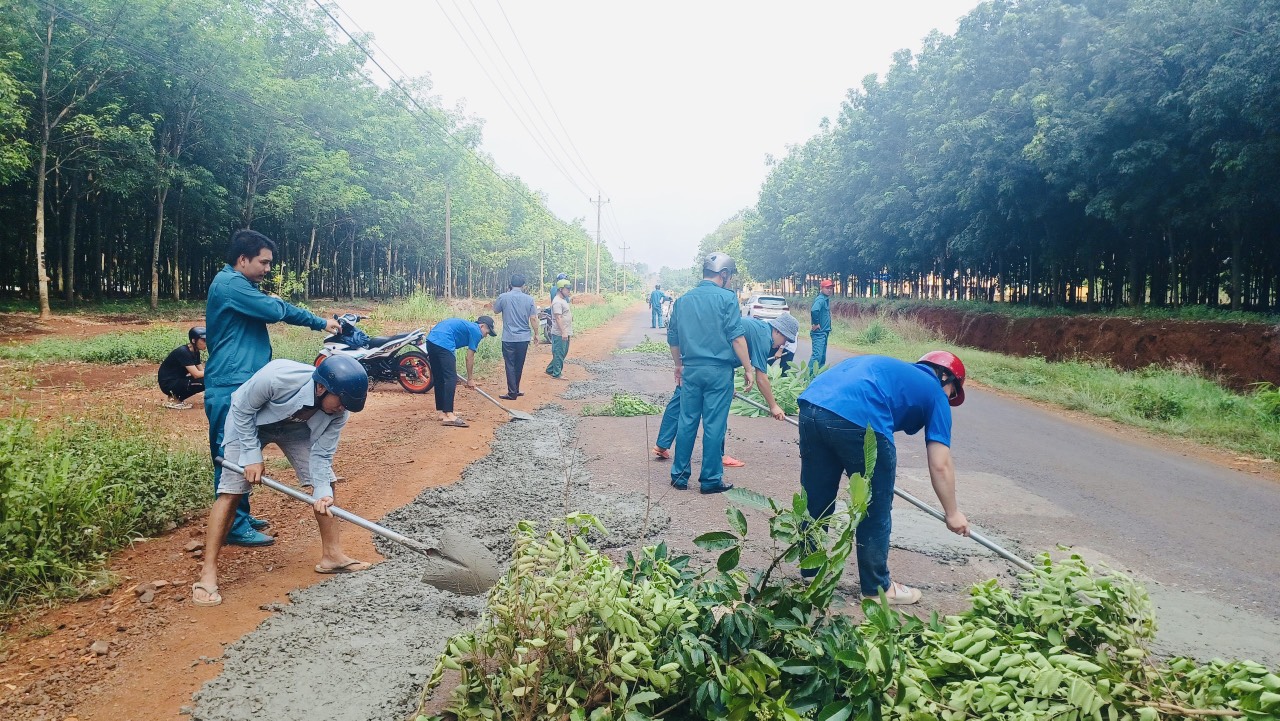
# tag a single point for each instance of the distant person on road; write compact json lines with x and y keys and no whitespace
{"x":561,"y":329}
{"x":181,"y":375}
{"x":763,"y":337}
{"x":302,"y":409}
{"x":706,"y":336}
{"x":443,"y":342}
{"x":656,"y":300}
{"x":517,"y":310}
{"x":820,"y":328}
{"x":237,"y":313}
{"x":886,"y":395}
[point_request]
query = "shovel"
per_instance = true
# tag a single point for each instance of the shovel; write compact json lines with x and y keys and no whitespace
{"x":467,"y":567}
{"x":981,"y":539}
{"x":518,"y":415}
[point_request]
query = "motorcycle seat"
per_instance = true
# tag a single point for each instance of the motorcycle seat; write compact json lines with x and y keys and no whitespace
{"x":385,"y":339}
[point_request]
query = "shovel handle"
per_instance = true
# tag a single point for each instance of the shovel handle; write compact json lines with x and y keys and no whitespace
{"x":345,"y":515}
{"x":978,"y":537}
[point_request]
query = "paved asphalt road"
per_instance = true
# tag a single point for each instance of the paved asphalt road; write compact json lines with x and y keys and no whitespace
{"x":1205,"y":538}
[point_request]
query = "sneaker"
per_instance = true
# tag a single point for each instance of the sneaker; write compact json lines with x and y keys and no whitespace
{"x":661,"y":454}
{"x":176,"y":404}
{"x":680,"y":486}
{"x":731,"y":462}
{"x":258,"y":523}
{"x":899,"y":595}
{"x":251,"y":539}
{"x":720,"y":487}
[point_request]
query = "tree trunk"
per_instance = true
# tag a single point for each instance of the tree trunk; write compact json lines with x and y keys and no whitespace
{"x":69,"y":272}
{"x":306,"y":267}
{"x":177,"y":237}
{"x":1237,"y":249}
{"x":161,"y":194}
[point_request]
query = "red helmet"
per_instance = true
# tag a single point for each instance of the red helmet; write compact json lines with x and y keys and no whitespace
{"x":950,"y":363}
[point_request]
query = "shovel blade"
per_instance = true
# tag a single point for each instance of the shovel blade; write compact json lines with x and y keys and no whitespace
{"x":520,"y":415}
{"x":461,"y":565}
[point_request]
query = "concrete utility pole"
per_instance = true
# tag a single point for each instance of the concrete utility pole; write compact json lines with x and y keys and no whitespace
{"x":599,"y":203}
{"x":617,"y":275}
{"x":448,"y":248}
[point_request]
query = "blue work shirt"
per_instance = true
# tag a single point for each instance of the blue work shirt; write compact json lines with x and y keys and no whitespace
{"x":236,"y":316}
{"x":516,"y":307}
{"x":759,"y":335}
{"x":454,"y":333}
{"x":885,"y":394}
{"x":655,"y":298}
{"x":704,"y":323}
{"x":820,"y":313}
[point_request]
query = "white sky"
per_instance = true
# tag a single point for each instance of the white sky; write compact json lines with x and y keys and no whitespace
{"x":673,"y":106}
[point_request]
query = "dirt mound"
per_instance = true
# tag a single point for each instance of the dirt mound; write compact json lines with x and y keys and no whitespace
{"x":1238,"y":353}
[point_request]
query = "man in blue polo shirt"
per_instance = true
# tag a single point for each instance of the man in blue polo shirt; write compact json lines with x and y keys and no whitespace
{"x":886,"y":395}
{"x":820,"y":324}
{"x":707,"y":342}
{"x":443,"y":342}
{"x":236,"y":316}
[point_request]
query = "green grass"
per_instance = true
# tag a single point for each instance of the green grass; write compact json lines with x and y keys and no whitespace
{"x":69,"y":497}
{"x":800,"y":307}
{"x":1176,"y":401}
{"x":133,"y":307}
{"x":150,"y":345}
{"x":588,"y":317}
{"x":649,"y":345}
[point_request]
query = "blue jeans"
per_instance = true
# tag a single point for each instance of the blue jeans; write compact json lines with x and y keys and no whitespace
{"x":705,"y":395}
{"x":217,"y":404}
{"x":818,"y":340}
{"x":830,"y":446}
{"x":655,"y":320}
{"x":670,"y":421}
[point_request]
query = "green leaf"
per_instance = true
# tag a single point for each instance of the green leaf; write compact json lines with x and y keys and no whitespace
{"x":737,"y":520}
{"x":729,"y":559}
{"x":814,"y":560}
{"x":750,"y":498}
{"x":835,"y":712}
{"x":715,"y":540}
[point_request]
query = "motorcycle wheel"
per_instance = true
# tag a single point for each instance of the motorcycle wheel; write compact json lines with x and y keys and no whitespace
{"x":414,"y":371}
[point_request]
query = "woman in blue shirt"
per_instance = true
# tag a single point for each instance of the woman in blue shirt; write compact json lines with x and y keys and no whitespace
{"x":443,"y":342}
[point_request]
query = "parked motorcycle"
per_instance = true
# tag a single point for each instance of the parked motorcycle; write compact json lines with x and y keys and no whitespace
{"x":544,"y":323}
{"x":399,"y":357}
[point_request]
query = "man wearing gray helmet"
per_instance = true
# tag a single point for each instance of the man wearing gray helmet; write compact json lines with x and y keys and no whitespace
{"x":707,"y":340}
{"x":516,"y":308}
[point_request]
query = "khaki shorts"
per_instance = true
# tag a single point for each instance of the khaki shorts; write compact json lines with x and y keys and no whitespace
{"x":292,"y":438}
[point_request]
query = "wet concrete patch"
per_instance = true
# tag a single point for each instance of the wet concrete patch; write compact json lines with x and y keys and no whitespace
{"x":360,"y":647}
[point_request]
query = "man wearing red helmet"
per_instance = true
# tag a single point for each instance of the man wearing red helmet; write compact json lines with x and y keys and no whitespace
{"x":886,"y":395}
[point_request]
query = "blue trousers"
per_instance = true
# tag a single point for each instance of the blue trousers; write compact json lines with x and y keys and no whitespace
{"x":655,"y":320}
{"x":705,"y":395}
{"x":818,"y":340}
{"x":831,"y":446}
{"x":670,"y":421}
{"x":217,"y":404}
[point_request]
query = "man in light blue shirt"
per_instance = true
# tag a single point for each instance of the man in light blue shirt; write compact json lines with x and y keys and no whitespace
{"x":820,"y":325}
{"x":516,"y":308}
{"x":236,"y":316}
{"x":302,"y":409}
{"x":443,"y":343}
{"x":656,"y":298}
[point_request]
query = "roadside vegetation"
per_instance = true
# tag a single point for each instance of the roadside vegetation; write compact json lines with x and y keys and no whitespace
{"x":1175,"y":400}
{"x":151,"y":345}
{"x":1019,"y":310}
{"x":75,"y":490}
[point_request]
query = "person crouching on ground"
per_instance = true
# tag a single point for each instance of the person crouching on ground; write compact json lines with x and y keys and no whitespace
{"x":181,"y":375}
{"x":302,"y":409}
{"x":561,"y":329}
{"x":443,"y":343}
{"x":886,"y":395}
{"x":517,"y":310}
{"x":763,"y":338}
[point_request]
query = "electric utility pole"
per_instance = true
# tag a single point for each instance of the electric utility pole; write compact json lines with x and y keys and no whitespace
{"x":599,"y":203}
{"x":448,"y":248}
{"x":623,"y":274}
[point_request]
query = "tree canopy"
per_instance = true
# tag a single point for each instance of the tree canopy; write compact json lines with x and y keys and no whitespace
{"x":134,"y":137}
{"x":1058,"y":151}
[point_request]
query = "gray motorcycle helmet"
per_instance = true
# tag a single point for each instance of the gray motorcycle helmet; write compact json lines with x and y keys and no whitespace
{"x":719,"y":263}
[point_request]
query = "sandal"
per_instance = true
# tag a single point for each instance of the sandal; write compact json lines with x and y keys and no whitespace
{"x":213,"y":598}
{"x":456,"y":423}
{"x":901,"y":595}
{"x":351,"y":566}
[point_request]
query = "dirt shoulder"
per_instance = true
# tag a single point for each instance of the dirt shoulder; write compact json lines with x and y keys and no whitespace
{"x":158,"y":654}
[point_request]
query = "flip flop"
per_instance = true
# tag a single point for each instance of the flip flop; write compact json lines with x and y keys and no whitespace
{"x":348,"y":567}
{"x":214,"y":598}
{"x":731,"y":462}
{"x":456,"y":423}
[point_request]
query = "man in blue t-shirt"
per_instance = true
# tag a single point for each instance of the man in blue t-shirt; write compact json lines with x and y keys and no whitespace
{"x":886,"y":395}
{"x":443,"y":343}
{"x":516,"y":308}
{"x":820,"y":325}
{"x":656,"y":299}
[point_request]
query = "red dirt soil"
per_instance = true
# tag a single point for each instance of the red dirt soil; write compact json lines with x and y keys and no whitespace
{"x":160,"y":653}
{"x":1236,"y":353}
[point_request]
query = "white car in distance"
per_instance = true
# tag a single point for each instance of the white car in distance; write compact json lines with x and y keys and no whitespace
{"x":764,"y":307}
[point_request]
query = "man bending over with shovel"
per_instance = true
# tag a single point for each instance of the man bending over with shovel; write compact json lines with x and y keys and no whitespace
{"x":302,"y":410}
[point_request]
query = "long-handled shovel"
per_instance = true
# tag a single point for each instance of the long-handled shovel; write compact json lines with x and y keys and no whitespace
{"x":518,"y":415}
{"x":460,"y":564}
{"x":981,"y":539}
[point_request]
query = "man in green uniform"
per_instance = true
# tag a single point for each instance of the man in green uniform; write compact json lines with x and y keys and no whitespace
{"x":820,"y":318}
{"x":707,"y":341}
{"x":236,"y":316}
